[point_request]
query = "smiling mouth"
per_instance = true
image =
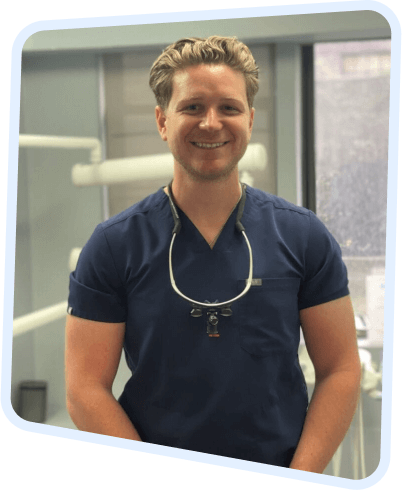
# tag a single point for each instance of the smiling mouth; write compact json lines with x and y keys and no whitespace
{"x":208,"y":145}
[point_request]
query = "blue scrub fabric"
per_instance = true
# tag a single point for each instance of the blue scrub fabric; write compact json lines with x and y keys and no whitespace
{"x":241,"y":395}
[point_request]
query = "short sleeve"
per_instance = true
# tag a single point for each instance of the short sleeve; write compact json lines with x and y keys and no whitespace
{"x":96,"y":291}
{"x":325,"y":275}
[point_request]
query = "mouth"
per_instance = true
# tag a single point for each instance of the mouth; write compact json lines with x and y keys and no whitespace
{"x":208,"y":146}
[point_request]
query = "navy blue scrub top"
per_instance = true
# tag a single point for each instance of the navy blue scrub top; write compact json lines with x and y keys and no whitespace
{"x":241,"y":395}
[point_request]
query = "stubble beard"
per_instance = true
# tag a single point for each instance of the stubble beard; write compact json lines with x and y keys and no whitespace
{"x":199,"y":176}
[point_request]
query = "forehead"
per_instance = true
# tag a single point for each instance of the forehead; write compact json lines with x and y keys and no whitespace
{"x":208,"y":80}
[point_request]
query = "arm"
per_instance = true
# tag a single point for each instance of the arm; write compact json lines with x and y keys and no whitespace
{"x":329,"y":332}
{"x":93,"y":351}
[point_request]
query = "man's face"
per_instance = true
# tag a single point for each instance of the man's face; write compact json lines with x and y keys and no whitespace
{"x":208,"y":123}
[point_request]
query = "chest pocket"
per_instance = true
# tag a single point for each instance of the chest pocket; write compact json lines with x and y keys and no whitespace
{"x":269,"y":317}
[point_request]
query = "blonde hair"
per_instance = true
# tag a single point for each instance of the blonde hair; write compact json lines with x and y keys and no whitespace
{"x":194,"y":51}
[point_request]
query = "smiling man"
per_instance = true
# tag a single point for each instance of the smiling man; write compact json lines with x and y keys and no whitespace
{"x":208,"y":122}
{"x":206,"y":117}
{"x":209,"y":317}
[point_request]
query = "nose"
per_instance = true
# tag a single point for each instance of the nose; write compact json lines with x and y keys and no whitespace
{"x":211,"y":120}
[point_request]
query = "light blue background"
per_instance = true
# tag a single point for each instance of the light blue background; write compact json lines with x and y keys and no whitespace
{"x":391,"y":232}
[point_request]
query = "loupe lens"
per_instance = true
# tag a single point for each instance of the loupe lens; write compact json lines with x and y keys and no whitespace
{"x":196,"y":312}
{"x":226,"y":311}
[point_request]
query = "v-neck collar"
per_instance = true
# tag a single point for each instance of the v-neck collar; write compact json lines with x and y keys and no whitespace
{"x":199,"y":244}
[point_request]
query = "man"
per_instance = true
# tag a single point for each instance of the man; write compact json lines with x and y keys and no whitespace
{"x":239,"y":392}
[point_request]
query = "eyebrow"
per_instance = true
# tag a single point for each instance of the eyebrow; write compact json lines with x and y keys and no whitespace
{"x":196,"y":98}
{"x":201,"y":96}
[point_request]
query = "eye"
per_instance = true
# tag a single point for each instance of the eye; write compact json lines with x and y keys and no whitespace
{"x":192,"y":108}
{"x":229,"y":108}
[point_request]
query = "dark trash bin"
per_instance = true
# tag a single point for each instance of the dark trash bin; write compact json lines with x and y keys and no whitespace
{"x":33,"y":401}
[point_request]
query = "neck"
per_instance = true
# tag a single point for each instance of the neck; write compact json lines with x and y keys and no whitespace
{"x":207,"y":202}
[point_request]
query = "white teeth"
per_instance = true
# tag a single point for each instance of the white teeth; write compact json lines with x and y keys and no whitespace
{"x":208,"y":145}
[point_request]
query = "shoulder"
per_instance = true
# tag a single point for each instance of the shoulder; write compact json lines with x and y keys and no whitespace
{"x":136,"y":213}
{"x":280,"y":213}
{"x":142,"y":227}
{"x":291,"y":222}
{"x":264,"y":199}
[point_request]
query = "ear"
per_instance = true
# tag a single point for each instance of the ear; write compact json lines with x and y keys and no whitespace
{"x":251,"y":122}
{"x":252,"y":112}
{"x":161,"y":122}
